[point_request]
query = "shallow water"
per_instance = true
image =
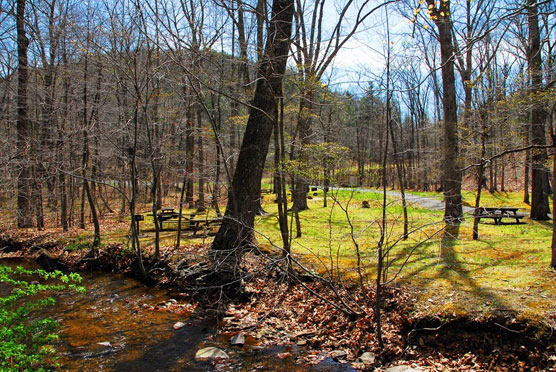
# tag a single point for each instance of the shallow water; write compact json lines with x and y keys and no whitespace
{"x":112,"y":327}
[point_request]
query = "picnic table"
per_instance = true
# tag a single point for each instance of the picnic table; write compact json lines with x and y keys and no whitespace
{"x":498,"y":213}
{"x":166,"y":214}
{"x":191,"y":223}
{"x":169,"y":218}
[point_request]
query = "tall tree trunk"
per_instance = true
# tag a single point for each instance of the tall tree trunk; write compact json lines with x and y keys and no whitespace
{"x":453,"y":211}
{"x":480,"y":171}
{"x":201,"y":164}
{"x":236,"y":231}
{"x":526,"y":167}
{"x":553,"y":245}
{"x":62,"y":189}
{"x":24,"y":216}
{"x":539,"y":191}
{"x":305,"y":132}
{"x":282,"y":199}
{"x":189,"y":149}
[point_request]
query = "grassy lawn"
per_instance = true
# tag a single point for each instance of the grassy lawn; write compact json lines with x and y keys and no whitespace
{"x":505,"y":271}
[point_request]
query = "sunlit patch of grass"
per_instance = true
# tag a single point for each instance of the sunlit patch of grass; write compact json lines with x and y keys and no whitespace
{"x":506,"y":270}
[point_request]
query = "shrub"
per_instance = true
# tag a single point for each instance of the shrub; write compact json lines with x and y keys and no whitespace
{"x":26,"y":339}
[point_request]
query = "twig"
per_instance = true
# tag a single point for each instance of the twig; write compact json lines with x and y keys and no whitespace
{"x":508,"y":329}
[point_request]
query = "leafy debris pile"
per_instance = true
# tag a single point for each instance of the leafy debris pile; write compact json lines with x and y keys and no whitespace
{"x":341,"y":321}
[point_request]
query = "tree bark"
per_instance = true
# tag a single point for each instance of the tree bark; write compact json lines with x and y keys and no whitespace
{"x":539,"y":179}
{"x":453,"y":211}
{"x":236,"y":231}
{"x":201,"y":164}
{"x":24,"y":215}
{"x":301,"y":188}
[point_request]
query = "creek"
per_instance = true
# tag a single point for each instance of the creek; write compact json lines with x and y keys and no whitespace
{"x":115,"y":326}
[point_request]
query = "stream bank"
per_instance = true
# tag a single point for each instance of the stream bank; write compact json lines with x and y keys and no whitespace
{"x":287,"y":328}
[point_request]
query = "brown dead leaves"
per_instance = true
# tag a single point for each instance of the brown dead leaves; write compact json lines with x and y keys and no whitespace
{"x":281,"y":314}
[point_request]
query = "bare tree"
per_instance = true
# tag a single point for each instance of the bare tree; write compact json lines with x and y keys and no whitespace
{"x":539,"y":179}
{"x":24,"y":215}
{"x":236,"y":231}
{"x":440,"y":13}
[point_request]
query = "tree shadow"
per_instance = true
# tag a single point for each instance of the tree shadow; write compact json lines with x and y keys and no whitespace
{"x":452,"y":265}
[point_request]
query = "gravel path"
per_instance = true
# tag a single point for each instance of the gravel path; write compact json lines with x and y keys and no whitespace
{"x":414,"y":200}
{"x":422,"y":201}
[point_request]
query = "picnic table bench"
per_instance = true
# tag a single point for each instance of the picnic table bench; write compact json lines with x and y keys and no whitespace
{"x":166,"y":214}
{"x":191,"y":223}
{"x":498,"y":213}
{"x":169,"y":218}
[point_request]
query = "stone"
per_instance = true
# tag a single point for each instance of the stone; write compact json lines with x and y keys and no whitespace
{"x":210,"y":353}
{"x":367,"y":357}
{"x":402,"y":368}
{"x":301,"y":342}
{"x":338,"y":354}
{"x":104,"y":343}
{"x":238,"y":340}
{"x":178,"y":325}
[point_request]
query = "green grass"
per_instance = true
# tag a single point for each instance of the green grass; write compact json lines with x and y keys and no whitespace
{"x":506,"y":270}
{"x":496,"y":199}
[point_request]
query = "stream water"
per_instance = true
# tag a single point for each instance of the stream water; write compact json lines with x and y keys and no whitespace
{"x":113,"y":327}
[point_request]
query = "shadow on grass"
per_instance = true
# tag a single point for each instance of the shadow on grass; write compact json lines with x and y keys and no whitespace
{"x":452,"y":269}
{"x":546,"y":223}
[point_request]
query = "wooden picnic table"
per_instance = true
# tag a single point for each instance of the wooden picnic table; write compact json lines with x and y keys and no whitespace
{"x":168,"y":217}
{"x":166,"y":214}
{"x":191,"y":223}
{"x":498,"y":213}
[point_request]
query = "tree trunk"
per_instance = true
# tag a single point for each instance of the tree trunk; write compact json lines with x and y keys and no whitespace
{"x":24,"y":215}
{"x":189,"y":151}
{"x":201,"y":164}
{"x":539,"y":190}
{"x":236,"y":231}
{"x":453,"y":211}
{"x":526,"y":168}
{"x":553,"y":245}
{"x":304,"y":128}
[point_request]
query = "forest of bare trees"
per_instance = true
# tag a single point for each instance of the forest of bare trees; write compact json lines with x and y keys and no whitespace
{"x":108,"y":104}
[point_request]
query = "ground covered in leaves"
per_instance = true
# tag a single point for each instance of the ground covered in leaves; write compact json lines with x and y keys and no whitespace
{"x":325,"y":319}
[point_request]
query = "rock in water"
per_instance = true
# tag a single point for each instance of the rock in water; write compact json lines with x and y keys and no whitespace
{"x":367,"y":358}
{"x":178,"y":325}
{"x":402,"y":368}
{"x":338,"y":354}
{"x":210,"y":353}
{"x":238,"y":340}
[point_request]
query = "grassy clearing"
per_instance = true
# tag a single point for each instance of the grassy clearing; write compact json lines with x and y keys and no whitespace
{"x":496,"y":199}
{"x":506,"y":270}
